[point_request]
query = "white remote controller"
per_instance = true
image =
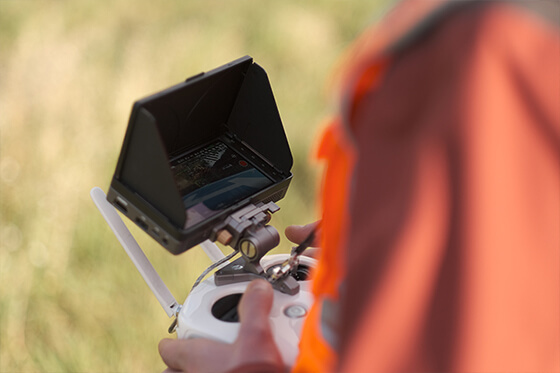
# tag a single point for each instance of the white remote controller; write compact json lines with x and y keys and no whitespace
{"x":210,"y":310}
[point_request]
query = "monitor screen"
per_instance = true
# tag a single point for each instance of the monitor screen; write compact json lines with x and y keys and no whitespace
{"x":213,"y":178}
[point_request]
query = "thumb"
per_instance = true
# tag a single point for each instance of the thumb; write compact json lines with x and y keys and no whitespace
{"x":255,"y":306}
{"x":298,"y":233}
{"x":256,"y":350}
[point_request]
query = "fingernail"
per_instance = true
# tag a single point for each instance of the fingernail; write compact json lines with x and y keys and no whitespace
{"x":259,"y":285}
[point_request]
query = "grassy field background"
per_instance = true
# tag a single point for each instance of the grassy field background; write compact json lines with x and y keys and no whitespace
{"x":71,"y":300}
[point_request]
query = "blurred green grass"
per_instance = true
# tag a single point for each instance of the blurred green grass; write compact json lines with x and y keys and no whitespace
{"x":70,"y":299}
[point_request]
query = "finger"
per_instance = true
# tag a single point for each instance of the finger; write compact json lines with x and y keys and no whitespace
{"x":169,"y":370}
{"x":312,"y":252}
{"x":171,"y":351}
{"x":298,"y":233}
{"x":195,"y":355}
{"x":255,"y":305}
{"x":256,"y":350}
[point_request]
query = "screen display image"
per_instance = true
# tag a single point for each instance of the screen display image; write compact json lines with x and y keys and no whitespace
{"x":214,"y":178}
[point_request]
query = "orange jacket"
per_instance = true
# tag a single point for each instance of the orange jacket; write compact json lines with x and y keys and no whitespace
{"x":441,"y":197}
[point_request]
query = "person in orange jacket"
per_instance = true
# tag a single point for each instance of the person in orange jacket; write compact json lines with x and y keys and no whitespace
{"x":440,"y":204}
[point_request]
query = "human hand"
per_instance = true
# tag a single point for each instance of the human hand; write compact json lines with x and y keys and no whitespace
{"x":254,"y":350}
{"x":298,"y":233}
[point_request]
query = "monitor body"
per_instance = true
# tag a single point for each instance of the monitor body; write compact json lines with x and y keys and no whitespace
{"x":200,"y":150}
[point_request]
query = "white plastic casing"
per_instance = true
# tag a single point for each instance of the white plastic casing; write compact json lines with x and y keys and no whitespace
{"x":196,"y":319}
